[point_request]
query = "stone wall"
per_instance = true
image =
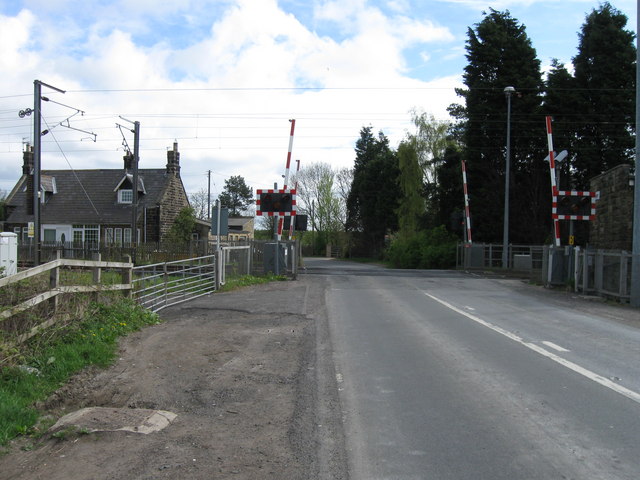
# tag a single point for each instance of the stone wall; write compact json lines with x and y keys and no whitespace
{"x":613,"y":226}
{"x":173,"y":200}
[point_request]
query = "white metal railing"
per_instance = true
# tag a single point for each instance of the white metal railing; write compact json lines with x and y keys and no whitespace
{"x":486,"y":255}
{"x":602,"y":272}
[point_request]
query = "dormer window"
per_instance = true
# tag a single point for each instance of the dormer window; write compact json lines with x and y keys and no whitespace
{"x":125,"y":190}
{"x":125,"y":196}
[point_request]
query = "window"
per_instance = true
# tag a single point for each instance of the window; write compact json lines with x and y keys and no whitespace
{"x":127,"y":236}
{"x":108,"y":236}
{"x":91,"y":233}
{"x":86,"y":233}
{"x":125,"y":196}
{"x":118,"y":236}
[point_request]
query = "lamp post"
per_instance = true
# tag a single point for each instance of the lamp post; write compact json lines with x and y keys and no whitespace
{"x":505,"y":232}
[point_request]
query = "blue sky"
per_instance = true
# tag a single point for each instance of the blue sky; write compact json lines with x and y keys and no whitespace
{"x":223,"y":77}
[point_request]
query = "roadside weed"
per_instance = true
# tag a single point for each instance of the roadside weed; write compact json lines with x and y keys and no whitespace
{"x":92,"y":341}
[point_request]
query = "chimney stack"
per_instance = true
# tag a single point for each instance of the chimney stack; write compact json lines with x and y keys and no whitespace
{"x":27,"y":158}
{"x":128,"y":162}
{"x":173,"y":161}
{"x":27,"y":169}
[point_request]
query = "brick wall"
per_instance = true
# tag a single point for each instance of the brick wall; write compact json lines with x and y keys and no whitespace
{"x":613,"y":226}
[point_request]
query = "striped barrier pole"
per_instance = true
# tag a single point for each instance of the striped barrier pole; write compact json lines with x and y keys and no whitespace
{"x":554,"y":187}
{"x":286,"y":171}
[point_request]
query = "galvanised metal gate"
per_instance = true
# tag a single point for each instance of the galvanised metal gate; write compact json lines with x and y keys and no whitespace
{"x":164,"y":284}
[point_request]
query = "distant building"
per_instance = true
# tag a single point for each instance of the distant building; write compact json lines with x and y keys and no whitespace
{"x":241,"y":229}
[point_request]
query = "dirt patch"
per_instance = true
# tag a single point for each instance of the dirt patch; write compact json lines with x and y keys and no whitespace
{"x":239,"y":370}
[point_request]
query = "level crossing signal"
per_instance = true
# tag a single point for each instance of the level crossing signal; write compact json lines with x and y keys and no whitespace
{"x":574,"y":205}
{"x":276,"y":202}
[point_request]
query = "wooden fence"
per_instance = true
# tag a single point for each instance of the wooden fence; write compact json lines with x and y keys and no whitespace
{"x":55,"y":289}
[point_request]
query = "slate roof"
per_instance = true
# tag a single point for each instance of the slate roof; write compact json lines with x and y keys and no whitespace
{"x":238,"y":224}
{"x":99,"y":205}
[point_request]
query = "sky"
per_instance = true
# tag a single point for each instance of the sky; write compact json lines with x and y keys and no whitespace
{"x":222,"y":78}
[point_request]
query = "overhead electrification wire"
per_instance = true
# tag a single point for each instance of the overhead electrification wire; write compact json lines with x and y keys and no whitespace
{"x":72,"y":169}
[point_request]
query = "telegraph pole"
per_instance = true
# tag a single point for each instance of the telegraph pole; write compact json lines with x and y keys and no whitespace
{"x":209,"y":194}
{"x":505,"y":231}
{"x":37,"y":156}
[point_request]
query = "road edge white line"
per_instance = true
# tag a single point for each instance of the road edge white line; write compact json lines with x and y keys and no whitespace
{"x":605,"y":382}
{"x":556,"y":347}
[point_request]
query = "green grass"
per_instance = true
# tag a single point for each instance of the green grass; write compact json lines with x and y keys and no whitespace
{"x":49,"y":365}
{"x":248,"y":280}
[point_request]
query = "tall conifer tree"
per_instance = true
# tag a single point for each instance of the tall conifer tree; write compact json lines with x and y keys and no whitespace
{"x":373,"y":199}
{"x":500,"y":54}
{"x":605,"y":86}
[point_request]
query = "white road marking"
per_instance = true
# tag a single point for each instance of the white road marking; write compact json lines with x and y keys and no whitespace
{"x":469,"y":308}
{"x":605,"y":382}
{"x":555,"y":347}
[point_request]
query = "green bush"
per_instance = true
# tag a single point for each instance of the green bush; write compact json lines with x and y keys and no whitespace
{"x":430,"y":249}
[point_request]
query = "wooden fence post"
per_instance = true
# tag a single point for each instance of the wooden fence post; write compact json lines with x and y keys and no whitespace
{"x":97,"y":275}
{"x":127,"y":277}
{"x":54,"y":282}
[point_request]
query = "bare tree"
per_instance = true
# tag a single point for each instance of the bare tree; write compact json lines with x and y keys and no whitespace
{"x":320,"y":198}
{"x":199,"y":202}
{"x":344,"y":179}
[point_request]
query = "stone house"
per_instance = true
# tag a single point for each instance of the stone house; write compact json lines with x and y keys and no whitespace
{"x":241,"y":229}
{"x":613,"y":227}
{"x":95,"y":205}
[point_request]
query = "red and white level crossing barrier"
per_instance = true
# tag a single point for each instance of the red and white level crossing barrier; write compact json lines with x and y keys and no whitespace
{"x":288,"y":166}
{"x":554,"y":187}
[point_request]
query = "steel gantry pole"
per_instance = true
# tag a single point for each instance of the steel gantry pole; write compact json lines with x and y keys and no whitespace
{"x":134,"y":187}
{"x":635,"y":258}
{"x":37,"y":164}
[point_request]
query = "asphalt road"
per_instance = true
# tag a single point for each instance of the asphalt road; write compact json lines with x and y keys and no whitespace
{"x":447,"y":375}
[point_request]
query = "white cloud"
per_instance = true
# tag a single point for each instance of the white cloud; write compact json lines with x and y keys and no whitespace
{"x":221,"y":94}
{"x":14,"y":41}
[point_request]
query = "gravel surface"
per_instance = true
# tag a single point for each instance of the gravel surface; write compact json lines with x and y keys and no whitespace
{"x":249,"y":376}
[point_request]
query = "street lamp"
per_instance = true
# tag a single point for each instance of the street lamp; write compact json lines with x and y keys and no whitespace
{"x":505,"y":232}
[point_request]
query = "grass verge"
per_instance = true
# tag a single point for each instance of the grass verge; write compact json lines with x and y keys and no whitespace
{"x":248,"y":280}
{"x":47,"y":366}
